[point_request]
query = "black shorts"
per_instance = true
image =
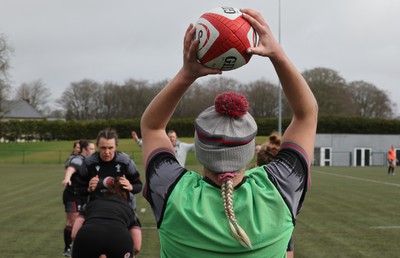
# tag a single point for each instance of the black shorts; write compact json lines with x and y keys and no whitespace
{"x":73,"y":202}
{"x":92,"y":240}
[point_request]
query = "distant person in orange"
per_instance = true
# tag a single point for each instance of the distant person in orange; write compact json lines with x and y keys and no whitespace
{"x":391,"y":158}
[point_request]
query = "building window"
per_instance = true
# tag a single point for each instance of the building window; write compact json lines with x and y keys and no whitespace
{"x":323,"y":156}
{"x":362,"y":157}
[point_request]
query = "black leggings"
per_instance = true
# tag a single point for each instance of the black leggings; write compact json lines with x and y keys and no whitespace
{"x":93,"y":240}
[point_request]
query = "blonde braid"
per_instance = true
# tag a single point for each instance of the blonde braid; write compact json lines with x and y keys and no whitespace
{"x":237,"y":231}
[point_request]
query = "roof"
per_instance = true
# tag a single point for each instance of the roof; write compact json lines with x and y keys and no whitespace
{"x":18,"y":109}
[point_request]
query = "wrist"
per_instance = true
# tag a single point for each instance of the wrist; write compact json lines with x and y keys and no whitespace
{"x":186,"y":77}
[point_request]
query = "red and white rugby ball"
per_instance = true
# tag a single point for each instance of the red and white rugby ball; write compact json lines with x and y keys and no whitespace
{"x":224,"y":36}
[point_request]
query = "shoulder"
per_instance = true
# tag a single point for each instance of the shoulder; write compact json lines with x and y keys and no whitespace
{"x":92,"y":161}
{"x":68,"y":160}
{"x":294,"y":149}
{"x":122,"y":157}
{"x":77,"y":160}
{"x":93,"y":158}
{"x":163,"y":166}
{"x":70,"y":157}
{"x":160,"y":155}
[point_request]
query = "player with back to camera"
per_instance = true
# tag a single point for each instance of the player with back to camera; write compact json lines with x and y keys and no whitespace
{"x":225,"y":213}
{"x":106,"y":226}
{"x":75,"y":193}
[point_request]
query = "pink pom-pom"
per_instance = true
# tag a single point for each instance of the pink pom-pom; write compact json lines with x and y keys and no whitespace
{"x":232,"y":104}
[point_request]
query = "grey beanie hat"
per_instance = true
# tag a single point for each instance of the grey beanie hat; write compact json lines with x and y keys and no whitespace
{"x":225,"y":134}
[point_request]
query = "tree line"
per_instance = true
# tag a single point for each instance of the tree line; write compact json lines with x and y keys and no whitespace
{"x":91,"y":100}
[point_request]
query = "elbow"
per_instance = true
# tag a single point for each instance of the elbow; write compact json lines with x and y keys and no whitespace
{"x":308,"y":115}
{"x":313,"y":112}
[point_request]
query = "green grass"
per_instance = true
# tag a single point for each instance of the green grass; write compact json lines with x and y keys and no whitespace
{"x":348,"y":212}
{"x":50,"y":152}
{"x":57,"y":152}
{"x":32,"y":214}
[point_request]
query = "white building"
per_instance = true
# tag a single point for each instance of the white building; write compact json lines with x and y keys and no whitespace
{"x":354,"y":149}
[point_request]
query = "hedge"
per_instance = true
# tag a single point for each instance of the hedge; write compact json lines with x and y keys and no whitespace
{"x":72,"y":130}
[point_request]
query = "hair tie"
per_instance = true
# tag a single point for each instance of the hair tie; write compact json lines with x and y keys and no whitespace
{"x":223,"y":177}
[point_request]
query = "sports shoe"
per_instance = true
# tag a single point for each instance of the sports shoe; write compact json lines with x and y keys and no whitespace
{"x":67,"y":253}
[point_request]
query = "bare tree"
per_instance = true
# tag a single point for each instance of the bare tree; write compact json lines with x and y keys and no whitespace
{"x":80,"y":100}
{"x":91,"y":100}
{"x":88,"y":99}
{"x":196,"y":99}
{"x":330,"y":90}
{"x":263,"y":99}
{"x":107,"y":100}
{"x":136,"y":95}
{"x":5,"y":52}
{"x":35,"y":93}
{"x":369,"y":101}
{"x":125,"y":101}
{"x":201,"y":95}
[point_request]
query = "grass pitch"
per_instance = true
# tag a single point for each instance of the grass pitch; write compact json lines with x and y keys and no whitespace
{"x":348,"y":212}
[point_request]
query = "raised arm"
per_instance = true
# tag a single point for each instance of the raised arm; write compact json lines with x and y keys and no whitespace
{"x":159,"y":112}
{"x":302,"y":129}
{"x":136,"y":138}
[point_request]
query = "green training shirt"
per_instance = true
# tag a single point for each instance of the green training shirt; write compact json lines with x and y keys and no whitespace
{"x":194,"y":222}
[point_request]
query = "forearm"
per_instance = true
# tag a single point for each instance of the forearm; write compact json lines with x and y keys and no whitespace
{"x":68,"y":174}
{"x":158,"y":113}
{"x":137,"y":187}
{"x":133,"y":179}
{"x":302,"y":128}
{"x":297,"y":91}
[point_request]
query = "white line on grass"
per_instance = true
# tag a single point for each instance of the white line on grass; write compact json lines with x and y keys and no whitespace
{"x":356,"y":178}
{"x":366,"y":180}
{"x":386,"y":227}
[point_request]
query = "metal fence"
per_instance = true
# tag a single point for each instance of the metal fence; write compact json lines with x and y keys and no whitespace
{"x":349,"y":159}
{"x":38,"y":156}
{"x":59,"y":157}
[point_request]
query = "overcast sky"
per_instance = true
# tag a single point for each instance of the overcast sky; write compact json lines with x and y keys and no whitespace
{"x":66,"y":41}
